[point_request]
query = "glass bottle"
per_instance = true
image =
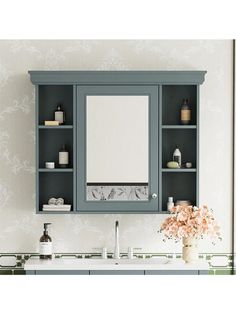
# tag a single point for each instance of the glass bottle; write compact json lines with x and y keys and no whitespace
{"x":59,"y":115}
{"x":63,"y":157}
{"x":185,"y":116}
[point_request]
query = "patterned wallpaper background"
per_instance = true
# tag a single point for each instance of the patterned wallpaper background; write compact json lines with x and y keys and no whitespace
{"x":20,"y":227}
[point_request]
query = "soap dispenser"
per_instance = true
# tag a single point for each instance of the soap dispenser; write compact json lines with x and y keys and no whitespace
{"x":45,"y":244}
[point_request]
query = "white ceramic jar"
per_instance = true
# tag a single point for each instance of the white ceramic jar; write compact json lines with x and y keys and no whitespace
{"x":190,"y":250}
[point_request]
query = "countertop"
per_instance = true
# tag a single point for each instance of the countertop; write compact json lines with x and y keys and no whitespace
{"x":36,"y":264}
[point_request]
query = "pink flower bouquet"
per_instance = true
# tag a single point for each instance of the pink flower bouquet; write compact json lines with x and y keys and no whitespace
{"x":190,"y":221}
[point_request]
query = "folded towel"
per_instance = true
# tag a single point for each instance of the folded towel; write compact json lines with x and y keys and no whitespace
{"x":66,"y":207}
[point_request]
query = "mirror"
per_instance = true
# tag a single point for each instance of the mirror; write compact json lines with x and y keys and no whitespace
{"x":117,"y":147}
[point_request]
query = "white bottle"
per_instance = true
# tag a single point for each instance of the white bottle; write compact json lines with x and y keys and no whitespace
{"x":177,"y":156}
{"x":170,"y":203}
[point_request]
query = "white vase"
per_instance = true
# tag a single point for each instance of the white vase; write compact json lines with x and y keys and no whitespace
{"x":190,"y":250}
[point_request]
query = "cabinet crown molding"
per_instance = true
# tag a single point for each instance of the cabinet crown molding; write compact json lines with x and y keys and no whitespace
{"x":117,"y":77}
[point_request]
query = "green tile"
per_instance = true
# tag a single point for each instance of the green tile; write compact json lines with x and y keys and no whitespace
{"x":5,"y":272}
{"x":223,"y":272}
{"x":211,"y":272}
{"x":208,"y":257}
{"x":19,"y":272}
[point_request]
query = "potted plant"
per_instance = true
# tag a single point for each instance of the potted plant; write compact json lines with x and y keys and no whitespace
{"x":190,"y":223}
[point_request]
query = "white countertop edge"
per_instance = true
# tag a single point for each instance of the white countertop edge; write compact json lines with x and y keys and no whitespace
{"x":76,"y":264}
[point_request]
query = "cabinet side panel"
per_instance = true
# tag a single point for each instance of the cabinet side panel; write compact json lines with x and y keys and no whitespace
{"x":37,"y":145}
{"x":74,"y":150}
{"x":160,"y":150}
{"x":197,"y":142}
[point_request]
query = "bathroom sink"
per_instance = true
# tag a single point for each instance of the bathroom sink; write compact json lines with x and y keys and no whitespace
{"x":97,"y":264}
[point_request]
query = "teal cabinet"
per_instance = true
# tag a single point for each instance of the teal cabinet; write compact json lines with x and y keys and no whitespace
{"x":121,"y":130}
{"x":117,"y":272}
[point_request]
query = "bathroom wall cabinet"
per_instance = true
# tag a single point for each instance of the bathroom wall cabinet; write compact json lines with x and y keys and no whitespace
{"x":165,"y":90}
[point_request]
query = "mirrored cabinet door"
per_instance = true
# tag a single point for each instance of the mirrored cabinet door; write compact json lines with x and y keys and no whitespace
{"x":117,"y":148}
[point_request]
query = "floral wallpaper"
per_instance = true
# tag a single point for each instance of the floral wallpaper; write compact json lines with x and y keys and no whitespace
{"x":20,"y":227}
{"x":117,"y":193}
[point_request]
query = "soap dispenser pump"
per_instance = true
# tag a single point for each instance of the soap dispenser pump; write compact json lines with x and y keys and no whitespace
{"x":45,"y":244}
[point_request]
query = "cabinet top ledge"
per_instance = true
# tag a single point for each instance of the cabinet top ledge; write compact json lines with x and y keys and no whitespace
{"x":117,"y":77}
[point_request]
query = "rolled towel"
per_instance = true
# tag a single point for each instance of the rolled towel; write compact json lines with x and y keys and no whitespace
{"x":52,"y":201}
{"x":60,"y":201}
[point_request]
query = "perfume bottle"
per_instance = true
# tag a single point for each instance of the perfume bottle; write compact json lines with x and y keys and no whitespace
{"x":185,"y":116}
{"x":59,"y":115}
{"x":63,"y":157}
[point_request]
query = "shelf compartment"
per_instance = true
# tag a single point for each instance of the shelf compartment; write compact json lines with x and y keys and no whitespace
{"x":185,"y":127}
{"x":52,"y":95}
{"x":179,"y":170}
{"x":50,"y":143}
{"x":57,"y":127}
{"x":55,"y":170}
{"x":172,"y":98}
{"x":186,"y":141}
{"x":181,"y":186}
{"x":55,"y":185}
{"x":56,"y":212}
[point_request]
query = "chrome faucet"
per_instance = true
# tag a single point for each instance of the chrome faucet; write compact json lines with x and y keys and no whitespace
{"x":117,"y":248}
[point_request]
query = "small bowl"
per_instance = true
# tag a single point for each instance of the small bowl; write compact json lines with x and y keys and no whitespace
{"x":50,"y":164}
{"x":188,"y":165}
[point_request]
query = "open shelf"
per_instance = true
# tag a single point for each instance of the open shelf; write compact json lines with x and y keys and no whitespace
{"x":179,"y":127}
{"x":186,"y":141}
{"x":50,"y":143}
{"x":172,"y":97}
{"x":52,"y":95}
{"x":181,"y":186}
{"x":179,"y":170}
{"x":55,"y":212}
{"x":56,"y":170}
{"x":181,"y":183}
{"x":62,"y":127}
{"x":56,"y":185}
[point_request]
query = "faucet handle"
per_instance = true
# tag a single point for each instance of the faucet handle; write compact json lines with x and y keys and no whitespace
{"x":103,"y":249}
{"x":131,"y":251}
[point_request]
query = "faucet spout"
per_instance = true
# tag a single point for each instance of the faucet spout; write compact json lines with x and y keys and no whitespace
{"x":117,"y":247}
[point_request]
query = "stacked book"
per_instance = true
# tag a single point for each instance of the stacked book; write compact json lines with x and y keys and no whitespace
{"x":65,"y":207}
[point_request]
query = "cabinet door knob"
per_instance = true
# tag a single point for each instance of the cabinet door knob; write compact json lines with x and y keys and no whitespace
{"x":154,"y":195}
